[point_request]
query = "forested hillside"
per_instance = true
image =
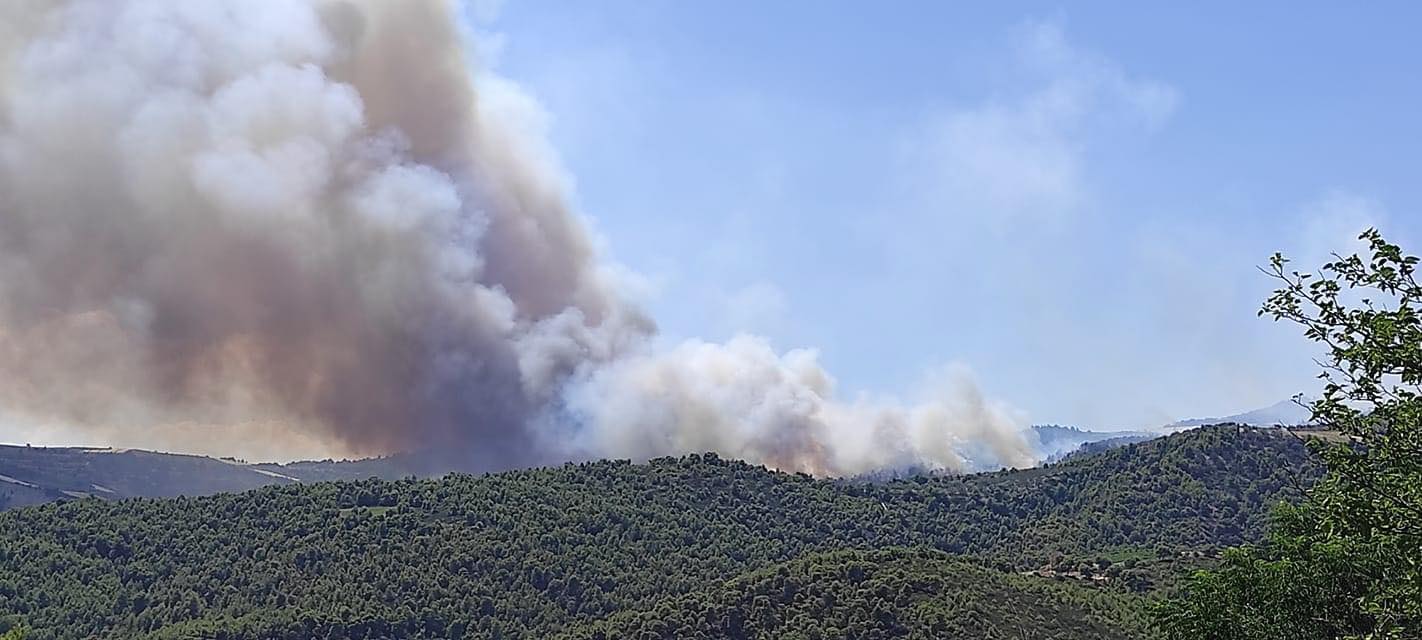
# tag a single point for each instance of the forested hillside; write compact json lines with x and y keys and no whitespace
{"x":537,"y":552}
{"x":892,"y":593}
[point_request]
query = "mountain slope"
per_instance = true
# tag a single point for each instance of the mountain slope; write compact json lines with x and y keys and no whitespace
{"x":535,"y":552}
{"x":891,"y":593}
{"x":1055,"y":441}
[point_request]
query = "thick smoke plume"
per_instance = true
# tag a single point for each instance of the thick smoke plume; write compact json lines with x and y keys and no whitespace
{"x":254,"y":226}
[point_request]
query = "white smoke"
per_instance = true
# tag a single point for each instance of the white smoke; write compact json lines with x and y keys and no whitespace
{"x":249,"y":226}
{"x":743,"y":399}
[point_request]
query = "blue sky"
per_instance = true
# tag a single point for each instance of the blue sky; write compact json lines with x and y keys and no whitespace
{"x":1068,"y":200}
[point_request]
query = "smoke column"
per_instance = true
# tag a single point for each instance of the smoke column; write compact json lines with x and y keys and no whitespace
{"x":255,"y":226}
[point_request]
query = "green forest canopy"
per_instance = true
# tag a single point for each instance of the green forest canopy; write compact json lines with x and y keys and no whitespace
{"x":539,"y":552}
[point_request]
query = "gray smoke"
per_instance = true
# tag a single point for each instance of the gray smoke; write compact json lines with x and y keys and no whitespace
{"x":265,"y":226}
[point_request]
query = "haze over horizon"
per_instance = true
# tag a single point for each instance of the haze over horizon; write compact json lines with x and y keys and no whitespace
{"x":653,"y":228}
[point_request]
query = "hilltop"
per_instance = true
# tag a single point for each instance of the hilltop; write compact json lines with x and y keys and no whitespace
{"x":36,"y":475}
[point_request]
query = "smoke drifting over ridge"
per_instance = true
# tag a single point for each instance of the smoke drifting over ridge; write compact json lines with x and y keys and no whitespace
{"x":255,"y":226}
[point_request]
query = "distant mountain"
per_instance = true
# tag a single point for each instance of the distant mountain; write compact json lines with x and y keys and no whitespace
{"x":35,"y":475}
{"x":1284,"y":412}
{"x":1055,"y":442}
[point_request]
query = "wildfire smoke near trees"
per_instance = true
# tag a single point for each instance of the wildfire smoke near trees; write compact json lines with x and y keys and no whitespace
{"x":313,"y":310}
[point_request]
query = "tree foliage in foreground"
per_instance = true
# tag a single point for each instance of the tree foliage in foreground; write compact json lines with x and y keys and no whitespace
{"x":1347,"y":562}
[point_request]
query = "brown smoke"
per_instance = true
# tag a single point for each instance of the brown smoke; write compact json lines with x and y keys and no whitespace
{"x":309,"y":221}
